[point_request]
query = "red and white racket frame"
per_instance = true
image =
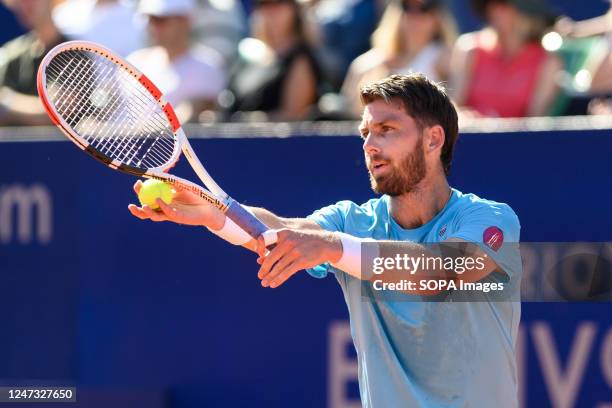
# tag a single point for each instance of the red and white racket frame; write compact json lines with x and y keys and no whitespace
{"x":215,"y":196}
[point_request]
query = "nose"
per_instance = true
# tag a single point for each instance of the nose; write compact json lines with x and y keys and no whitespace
{"x":369,"y":145}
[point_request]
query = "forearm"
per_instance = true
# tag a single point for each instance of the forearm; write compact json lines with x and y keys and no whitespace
{"x":412,"y":261}
{"x":21,"y":110}
{"x":10,"y":117}
{"x":360,"y":258}
{"x":395,"y":261}
{"x":273,"y":221}
{"x":388,"y":260}
{"x":228,"y":230}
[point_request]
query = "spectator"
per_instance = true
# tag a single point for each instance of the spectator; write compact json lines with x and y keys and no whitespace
{"x":19,"y":61}
{"x":591,"y":27}
{"x":112,"y":23}
{"x":220,"y":24}
{"x":191,"y":77}
{"x":599,"y":64}
{"x":343,"y":29}
{"x":412,"y":36}
{"x":503,"y":70}
{"x":276,"y":72}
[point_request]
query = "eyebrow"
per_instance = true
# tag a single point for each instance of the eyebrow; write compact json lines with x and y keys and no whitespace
{"x":390,"y":118}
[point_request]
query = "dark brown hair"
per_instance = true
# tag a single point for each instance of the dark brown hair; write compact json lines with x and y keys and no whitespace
{"x":425,"y":101}
{"x":299,"y":25}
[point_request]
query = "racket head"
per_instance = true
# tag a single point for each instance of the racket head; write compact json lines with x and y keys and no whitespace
{"x":109,"y":108}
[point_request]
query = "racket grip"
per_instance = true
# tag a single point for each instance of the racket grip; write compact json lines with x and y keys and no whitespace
{"x":245,"y":220}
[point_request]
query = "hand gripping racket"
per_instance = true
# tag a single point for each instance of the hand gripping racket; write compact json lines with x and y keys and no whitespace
{"x":112,"y":111}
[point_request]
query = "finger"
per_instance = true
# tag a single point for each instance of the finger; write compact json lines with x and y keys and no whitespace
{"x":279,"y":267}
{"x":270,"y":259}
{"x":261,"y":247}
{"x":288,"y":272}
{"x":137,"y":186}
{"x":154,"y":215}
{"x":168,"y":211}
{"x":138,"y":212}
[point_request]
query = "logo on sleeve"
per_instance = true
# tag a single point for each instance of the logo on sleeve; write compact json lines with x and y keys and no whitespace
{"x":493,"y":237}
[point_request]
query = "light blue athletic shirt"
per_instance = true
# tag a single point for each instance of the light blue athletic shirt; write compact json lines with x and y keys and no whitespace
{"x":433,"y":354}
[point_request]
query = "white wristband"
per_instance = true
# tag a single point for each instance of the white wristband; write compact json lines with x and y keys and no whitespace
{"x":232,"y":233}
{"x":270,"y":237}
{"x":350,"y":261}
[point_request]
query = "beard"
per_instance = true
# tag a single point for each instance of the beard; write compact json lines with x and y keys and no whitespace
{"x":402,"y":178}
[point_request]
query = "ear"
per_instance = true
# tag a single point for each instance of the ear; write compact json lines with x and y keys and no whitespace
{"x":436,"y":138}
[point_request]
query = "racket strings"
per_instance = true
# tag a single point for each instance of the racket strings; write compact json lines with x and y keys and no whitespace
{"x":110,"y":109}
{"x":114,"y":143}
{"x":112,"y":70}
{"x":127,"y":116}
{"x":122,"y":119}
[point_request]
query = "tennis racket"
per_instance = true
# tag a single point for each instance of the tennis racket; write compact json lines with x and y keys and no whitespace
{"x":113,"y":112}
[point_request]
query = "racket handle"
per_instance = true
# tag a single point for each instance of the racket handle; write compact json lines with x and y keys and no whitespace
{"x":245,"y":220}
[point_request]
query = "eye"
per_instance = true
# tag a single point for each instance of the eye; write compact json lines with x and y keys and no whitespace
{"x":386,"y":128}
{"x":364,"y":134}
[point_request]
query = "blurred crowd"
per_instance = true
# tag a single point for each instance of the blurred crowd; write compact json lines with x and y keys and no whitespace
{"x":286,"y":60}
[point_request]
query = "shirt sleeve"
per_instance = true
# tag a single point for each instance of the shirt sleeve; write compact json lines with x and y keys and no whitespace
{"x":495,"y":228}
{"x":331,"y":218}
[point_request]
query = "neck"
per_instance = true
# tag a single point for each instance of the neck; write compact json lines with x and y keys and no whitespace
{"x":415,"y":45}
{"x":416,"y":208}
{"x":177,"y":50}
{"x":511,"y":44}
{"x":281,"y":44}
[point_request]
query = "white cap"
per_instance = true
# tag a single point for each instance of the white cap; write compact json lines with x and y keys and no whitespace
{"x":163,"y":8}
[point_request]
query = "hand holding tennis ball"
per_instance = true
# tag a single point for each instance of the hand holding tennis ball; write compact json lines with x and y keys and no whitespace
{"x":153,"y":189}
{"x":187,"y":208}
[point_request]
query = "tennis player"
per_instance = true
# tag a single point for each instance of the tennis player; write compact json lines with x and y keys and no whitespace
{"x":411,"y":353}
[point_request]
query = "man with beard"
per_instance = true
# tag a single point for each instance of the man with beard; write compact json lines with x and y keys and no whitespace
{"x":411,"y":352}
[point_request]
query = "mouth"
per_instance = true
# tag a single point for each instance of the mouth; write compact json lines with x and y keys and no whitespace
{"x":378,"y":167}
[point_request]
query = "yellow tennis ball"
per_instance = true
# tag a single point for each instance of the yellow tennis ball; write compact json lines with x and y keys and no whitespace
{"x":151,"y":190}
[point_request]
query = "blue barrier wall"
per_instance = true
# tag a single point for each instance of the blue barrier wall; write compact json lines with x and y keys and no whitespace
{"x":134,"y":311}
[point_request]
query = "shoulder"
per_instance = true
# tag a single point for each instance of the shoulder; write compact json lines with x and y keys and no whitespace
{"x":462,"y":57}
{"x":347,"y":212}
{"x":468,"y":202}
{"x":207,"y":56}
{"x":147,"y":55}
{"x":484,"y":40}
{"x":367,"y":61}
{"x":467,"y":42}
{"x":351,"y":208}
{"x":474,"y":211}
{"x":303,"y":58}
